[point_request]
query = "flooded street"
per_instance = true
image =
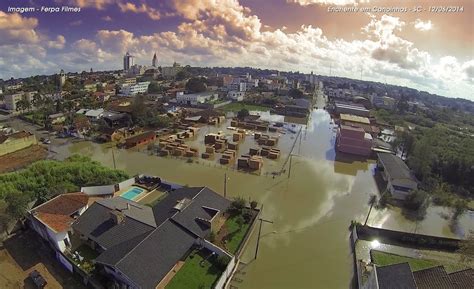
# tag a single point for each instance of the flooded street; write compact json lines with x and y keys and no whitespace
{"x":307,"y":246}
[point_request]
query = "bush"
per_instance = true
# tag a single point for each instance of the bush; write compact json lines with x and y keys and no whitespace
{"x":243,"y":113}
{"x":253,"y":205}
{"x":247,"y":216}
{"x":416,"y":200}
{"x":222,"y":261}
{"x":237,"y":206}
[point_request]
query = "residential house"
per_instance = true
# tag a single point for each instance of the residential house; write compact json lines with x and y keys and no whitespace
{"x":16,"y":141}
{"x":116,"y":120}
{"x":140,"y":246}
{"x":400,"y":180}
{"x":52,"y":220}
{"x":236,"y":95}
{"x":384,"y":101}
{"x":81,"y":125}
{"x":195,"y":98}
{"x":94,"y":114}
{"x":400,"y":276}
{"x":57,"y":118}
{"x":140,"y":139}
{"x":90,"y":85}
{"x":102,"y":96}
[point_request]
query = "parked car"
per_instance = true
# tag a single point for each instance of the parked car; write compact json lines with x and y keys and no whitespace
{"x":38,"y":280}
{"x":46,"y":141}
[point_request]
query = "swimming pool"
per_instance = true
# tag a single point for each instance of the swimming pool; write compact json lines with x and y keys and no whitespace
{"x":132,"y":193}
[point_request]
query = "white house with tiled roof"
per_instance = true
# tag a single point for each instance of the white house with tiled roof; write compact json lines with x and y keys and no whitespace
{"x":52,"y":220}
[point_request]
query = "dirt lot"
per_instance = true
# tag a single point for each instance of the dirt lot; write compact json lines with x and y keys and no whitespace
{"x":22,"y":254}
{"x":22,"y":158}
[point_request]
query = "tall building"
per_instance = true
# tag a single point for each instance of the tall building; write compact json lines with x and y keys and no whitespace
{"x":62,"y":78}
{"x":154,"y":61}
{"x":127,"y":61}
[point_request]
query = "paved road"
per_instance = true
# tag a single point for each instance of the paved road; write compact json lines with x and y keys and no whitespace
{"x":38,"y":131}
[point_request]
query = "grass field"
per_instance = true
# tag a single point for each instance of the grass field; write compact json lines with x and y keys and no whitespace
{"x":384,"y":259}
{"x":194,"y":276}
{"x":235,"y":233}
{"x":236,"y":106}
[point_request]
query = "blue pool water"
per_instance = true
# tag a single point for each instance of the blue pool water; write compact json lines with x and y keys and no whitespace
{"x":132,"y":193}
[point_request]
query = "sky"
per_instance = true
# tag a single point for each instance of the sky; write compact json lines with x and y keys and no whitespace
{"x":426,"y":50}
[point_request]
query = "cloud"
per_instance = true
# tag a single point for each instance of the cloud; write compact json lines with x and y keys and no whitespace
{"x":228,"y":34}
{"x":17,"y":29}
{"x":423,"y":26}
{"x":143,"y":8}
{"x":327,"y":2}
{"x":97,"y":4}
{"x":107,"y":18}
{"x":76,"y":23}
{"x":58,"y":43}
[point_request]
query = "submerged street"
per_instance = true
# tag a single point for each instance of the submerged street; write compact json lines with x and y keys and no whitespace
{"x":307,"y":246}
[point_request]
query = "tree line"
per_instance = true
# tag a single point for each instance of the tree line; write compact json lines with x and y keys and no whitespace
{"x":46,"y":179}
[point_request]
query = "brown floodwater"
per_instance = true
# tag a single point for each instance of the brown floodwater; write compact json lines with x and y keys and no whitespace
{"x":307,"y":246}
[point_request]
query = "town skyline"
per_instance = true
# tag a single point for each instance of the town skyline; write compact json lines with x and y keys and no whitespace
{"x":426,"y":51}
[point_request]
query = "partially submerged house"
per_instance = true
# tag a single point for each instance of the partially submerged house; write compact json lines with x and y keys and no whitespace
{"x":353,"y":140}
{"x":140,"y":139}
{"x":400,"y":180}
{"x":140,"y":246}
{"x":52,"y":220}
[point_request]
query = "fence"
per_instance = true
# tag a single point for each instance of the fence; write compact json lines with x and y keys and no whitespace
{"x":86,"y":278}
{"x":226,"y":275}
{"x":408,"y":239}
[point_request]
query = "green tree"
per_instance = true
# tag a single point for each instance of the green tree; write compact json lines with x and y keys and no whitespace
{"x":196,"y":85}
{"x":416,"y":200}
{"x":460,"y":207}
{"x":243,"y":113}
{"x":182,"y":74}
{"x":17,"y":204}
{"x":237,"y":206}
{"x":155,"y":87}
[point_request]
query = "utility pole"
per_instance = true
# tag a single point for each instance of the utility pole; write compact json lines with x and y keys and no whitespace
{"x":260,"y":232}
{"x":225,"y":185}
{"x":299,"y":146}
{"x":113,"y":158}
{"x":289,"y":168}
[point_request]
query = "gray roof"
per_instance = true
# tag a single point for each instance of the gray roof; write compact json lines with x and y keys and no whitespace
{"x":96,"y":223}
{"x":432,"y":278}
{"x":397,"y":276}
{"x":462,"y":279}
{"x":149,"y":262}
{"x":198,"y":209}
{"x":437,"y":278}
{"x":150,"y":241}
{"x":164,"y":209}
{"x":395,"y":167}
{"x":131,"y":209}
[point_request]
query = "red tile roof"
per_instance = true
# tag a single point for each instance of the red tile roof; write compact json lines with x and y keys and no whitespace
{"x":56,"y":213}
